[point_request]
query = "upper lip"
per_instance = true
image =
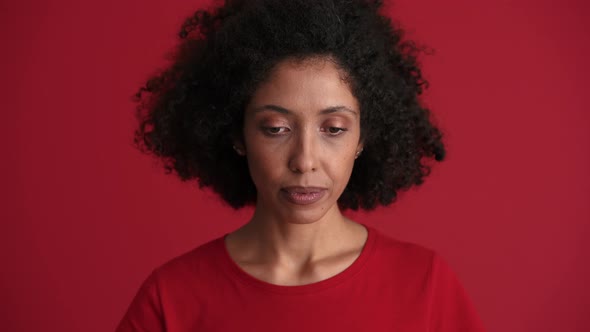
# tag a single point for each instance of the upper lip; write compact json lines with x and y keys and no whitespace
{"x":301,"y":189}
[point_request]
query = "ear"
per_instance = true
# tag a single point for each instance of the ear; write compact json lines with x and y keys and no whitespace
{"x":359,"y":149}
{"x":239,"y":147}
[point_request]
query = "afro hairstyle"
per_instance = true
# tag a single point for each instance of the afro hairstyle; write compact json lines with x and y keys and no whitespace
{"x":190,"y":113}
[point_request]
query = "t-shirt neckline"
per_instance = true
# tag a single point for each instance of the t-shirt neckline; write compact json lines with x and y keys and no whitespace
{"x":344,"y":275}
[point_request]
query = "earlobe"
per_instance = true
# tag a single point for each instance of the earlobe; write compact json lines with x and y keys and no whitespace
{"x":239,"y":148}
{"x":358,"y":153}
{"x":359,"y":150}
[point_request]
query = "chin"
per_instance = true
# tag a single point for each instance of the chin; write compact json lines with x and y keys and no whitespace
{"x":307,"y":214}
{"x":284,"y":210}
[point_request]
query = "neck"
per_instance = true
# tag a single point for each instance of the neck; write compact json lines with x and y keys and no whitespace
{"x":294,"y":245}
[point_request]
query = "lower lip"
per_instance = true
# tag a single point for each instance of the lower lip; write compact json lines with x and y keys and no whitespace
{"x":303,"y":198}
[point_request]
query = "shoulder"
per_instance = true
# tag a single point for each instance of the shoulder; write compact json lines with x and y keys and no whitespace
{"x":170,"y":289}
{"x":197,"y":264}
{"x":419,"y":269}
{"x":401,"y":254}
{"x":414,"y":260}
{"x":395,"y":245}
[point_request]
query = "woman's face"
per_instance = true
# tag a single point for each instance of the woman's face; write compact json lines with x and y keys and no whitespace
{"x":301,"y":136}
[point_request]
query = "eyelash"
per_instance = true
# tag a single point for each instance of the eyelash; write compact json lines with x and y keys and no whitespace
{"x":269,"y":131}
{"x":339,"y":132}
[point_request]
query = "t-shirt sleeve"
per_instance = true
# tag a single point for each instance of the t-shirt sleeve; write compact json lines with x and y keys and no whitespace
{"x":450,"y":308}
{"x":145,"y":311}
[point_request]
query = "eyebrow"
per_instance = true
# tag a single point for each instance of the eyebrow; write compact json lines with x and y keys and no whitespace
{"x":282,"y":110}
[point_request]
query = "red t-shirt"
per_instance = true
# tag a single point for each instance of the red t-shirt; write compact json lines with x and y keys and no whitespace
{"x":392,"y":286}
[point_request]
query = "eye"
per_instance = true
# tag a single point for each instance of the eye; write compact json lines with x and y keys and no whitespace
{"x":275,"y":131}
{"x":335,"y":131}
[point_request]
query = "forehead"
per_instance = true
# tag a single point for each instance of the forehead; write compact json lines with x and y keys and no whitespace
{"x":308,"y":85}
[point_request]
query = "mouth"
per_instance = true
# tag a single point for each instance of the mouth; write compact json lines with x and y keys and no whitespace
{"x":303,"y":195}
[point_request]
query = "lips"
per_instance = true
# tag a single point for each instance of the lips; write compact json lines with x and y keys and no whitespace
{"x":303,"y":195}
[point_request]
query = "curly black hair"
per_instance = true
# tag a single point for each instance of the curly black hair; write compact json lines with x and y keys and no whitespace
{"x":191,"y":112}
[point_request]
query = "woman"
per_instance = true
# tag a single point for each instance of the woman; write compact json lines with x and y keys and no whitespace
{"x":302,"y":108}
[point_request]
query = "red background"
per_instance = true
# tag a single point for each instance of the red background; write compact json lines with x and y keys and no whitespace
{"x":86,"y":217}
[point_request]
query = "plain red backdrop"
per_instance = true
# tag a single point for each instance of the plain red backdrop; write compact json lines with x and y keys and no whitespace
{"x":86,"y":217}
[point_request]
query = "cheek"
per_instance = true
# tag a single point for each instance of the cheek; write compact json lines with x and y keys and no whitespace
{"x":264,"y":167}
{"x":341,"y":168}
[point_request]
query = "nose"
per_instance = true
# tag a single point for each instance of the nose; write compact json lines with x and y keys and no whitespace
{"x":304,"y":152}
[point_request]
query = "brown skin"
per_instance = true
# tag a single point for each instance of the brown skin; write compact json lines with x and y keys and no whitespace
{"x":301,"y":129}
